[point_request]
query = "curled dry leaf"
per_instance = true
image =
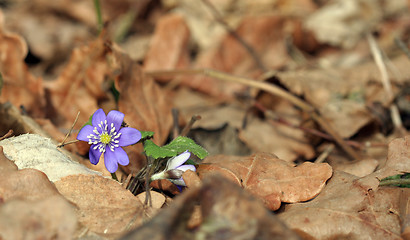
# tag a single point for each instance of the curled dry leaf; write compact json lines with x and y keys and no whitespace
{"x":271,"y":179}
{"x":31,"y":207}
{"x":104,"y":206}
{"x":228,"y":212}
{"x":19,"y":87}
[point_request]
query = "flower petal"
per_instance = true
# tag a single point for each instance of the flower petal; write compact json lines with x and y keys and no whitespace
{"x":186,"y":167}
{"x":84,"y":132}
{"x":110,"y":161}
{"x":98,"y":117}
{"x":129,"y":136}
{"x":178,"y":160}
{"x":94,"y":155}
{"x":116,"y":118}
{"x":121,"y":156}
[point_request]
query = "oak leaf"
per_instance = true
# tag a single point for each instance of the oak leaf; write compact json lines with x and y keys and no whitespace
{"x":271,"y":179}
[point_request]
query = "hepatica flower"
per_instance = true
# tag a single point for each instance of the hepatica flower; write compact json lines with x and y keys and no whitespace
{"x":107,"y":137}
{"x":174,"y":169}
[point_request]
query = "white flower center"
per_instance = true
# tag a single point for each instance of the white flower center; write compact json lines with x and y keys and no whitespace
{"x":101,"y":139}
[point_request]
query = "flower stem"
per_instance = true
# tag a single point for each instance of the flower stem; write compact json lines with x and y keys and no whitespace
{"x":114,"y":176}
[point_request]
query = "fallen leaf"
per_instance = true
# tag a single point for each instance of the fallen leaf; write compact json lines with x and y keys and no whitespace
{"x":20,"y":87}
{"x":271,"y":179}
{"x":145,"y":105}
{"x":264,"y":34}
{"x":355,"y":207}
{"x":360,"y":168}
{"x":35,"y":151}
{"x":30,"y":205}
{"x":29,"y":184}
{"x":343,"y":23}
{"x":172,"y":53}
{"x":227,"y":211}
{"x":49,"y":218}
{"x":286,"y":142}
{"x":104,"y":206}
{"x":157,"y":199}
{"x":80,"y":85}
{"x":347,"y":209}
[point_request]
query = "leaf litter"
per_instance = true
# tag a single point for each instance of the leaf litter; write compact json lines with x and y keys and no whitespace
{"x":272,"y":173}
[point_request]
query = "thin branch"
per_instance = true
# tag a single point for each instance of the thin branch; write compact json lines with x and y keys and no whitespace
{"x":322,"y":157}
{"x":8,"y":134}
{"x":377,"y":56}
{"x":63,"y":143}
{"x":188,"y":127}
{"x":175,"y":114}
{"x":273,"y":90}
{"x":235,"y":35}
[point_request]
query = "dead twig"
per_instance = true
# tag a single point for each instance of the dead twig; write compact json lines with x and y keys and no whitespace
{"x":273,"y":90}
{"x":322,"y":157}
{"x":8,"y":134}
{"x":235,"y":35}
{"x":188,"y":127}
{"x":378,"y":58}
{"x":175,"y":127}
{"x":63,"y":143}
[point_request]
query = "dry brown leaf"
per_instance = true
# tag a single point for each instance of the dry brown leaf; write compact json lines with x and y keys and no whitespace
{"x":228,"y":212}
{"x":104,"y":206}
{"x":28,"y":184}
{"x":157,"y":199}
{"x":271,"y":179}
{"x":263,"y":33}
{"x":191,"y":179}
{"x":20,"y":86}
{"x":31,"y":207}
{"x":145,"y":105}
{"x":360,"y":168}
{"x":398,"y":162}
{"x":347,"y":209}
{"x":80,"y":85}
{"x":286,"y":142}
{"x":49,"y":218}
{"x":341,"y":94}
{"x":352,"y":207}
{"x":169,"y":46}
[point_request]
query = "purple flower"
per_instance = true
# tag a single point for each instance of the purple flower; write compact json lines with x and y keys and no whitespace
{"x":105,"y":136}
{"x":174,"y":169}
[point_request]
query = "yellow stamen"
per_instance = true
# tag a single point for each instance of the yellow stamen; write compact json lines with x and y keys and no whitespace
{"x":105,"y":138}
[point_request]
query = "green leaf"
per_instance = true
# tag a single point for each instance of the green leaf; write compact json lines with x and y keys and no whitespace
{"x":146,"y":134}
{"x":175,"y":147}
